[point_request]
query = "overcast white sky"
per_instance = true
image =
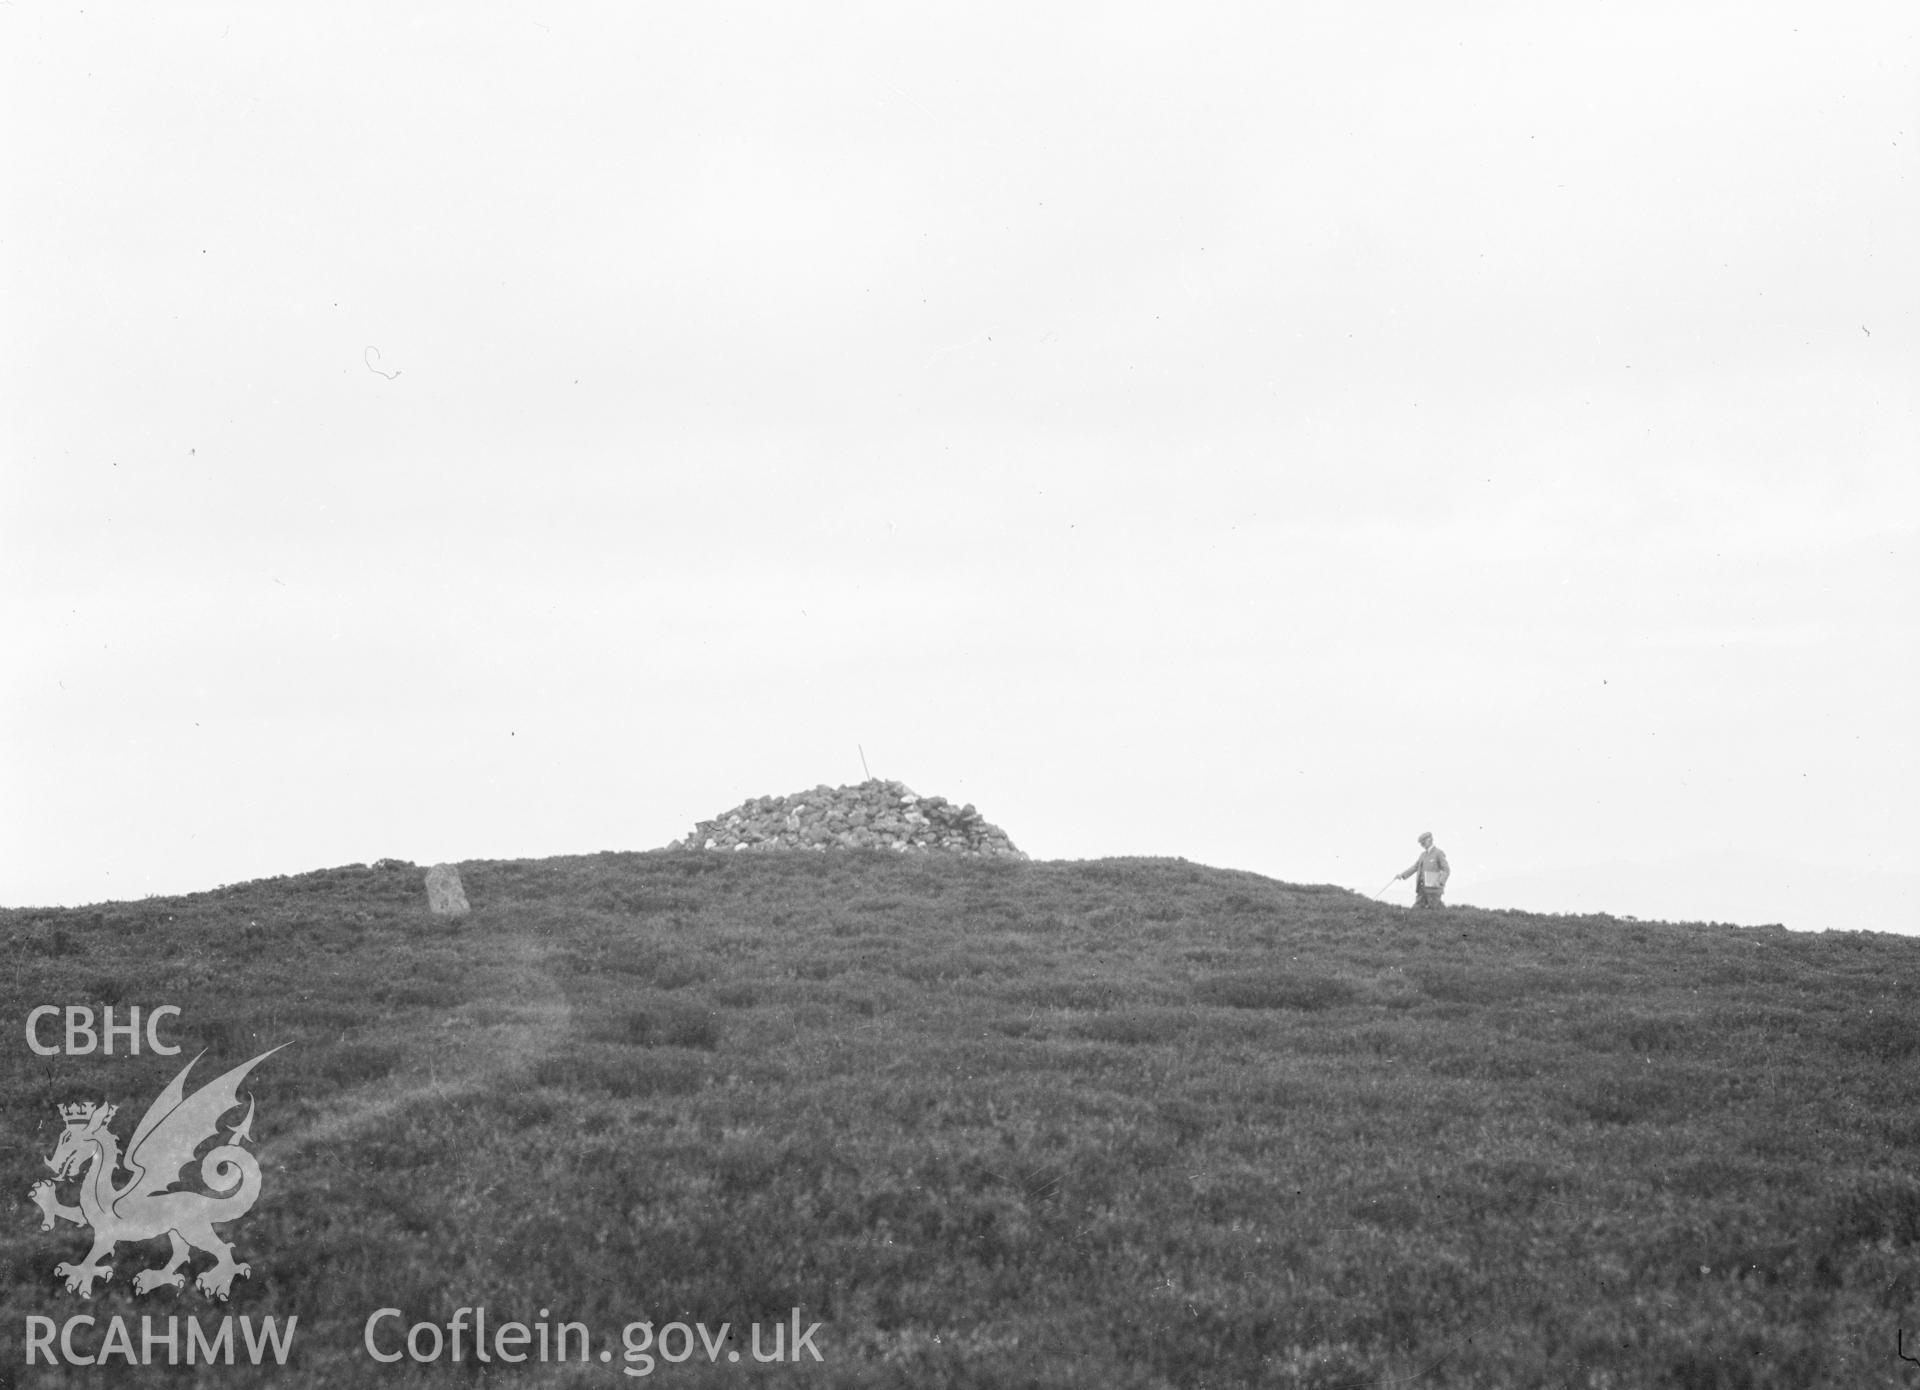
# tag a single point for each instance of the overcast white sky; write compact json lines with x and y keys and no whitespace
{"x":1255,"y":433}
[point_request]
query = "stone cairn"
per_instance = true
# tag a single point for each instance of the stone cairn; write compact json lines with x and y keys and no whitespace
{"x":872,"y":815}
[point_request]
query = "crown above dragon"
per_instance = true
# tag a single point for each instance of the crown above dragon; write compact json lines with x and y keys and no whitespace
{"x":77,"y":1114}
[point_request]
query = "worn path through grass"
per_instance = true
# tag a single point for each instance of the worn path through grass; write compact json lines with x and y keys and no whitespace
{"x":488,"y":1045}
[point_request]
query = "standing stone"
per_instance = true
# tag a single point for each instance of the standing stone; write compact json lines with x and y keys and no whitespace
{"x":445,"y":897}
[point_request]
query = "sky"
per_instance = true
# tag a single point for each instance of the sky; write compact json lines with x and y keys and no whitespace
{"x":1252,"y":433}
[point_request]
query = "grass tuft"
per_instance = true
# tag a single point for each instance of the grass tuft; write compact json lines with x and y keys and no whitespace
{"x":665,"y":1025}
{"x":1307,"y":991}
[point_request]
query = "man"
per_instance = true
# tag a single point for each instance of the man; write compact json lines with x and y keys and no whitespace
{"x":1433,"y":870}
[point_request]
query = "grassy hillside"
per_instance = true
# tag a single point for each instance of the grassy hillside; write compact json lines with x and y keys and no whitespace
{"x":1120,"y":1123}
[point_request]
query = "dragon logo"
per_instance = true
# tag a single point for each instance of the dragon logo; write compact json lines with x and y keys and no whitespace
{"x":147,"y":1205}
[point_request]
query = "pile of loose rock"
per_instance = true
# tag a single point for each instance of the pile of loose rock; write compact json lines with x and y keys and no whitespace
{"x":872,"y":815}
